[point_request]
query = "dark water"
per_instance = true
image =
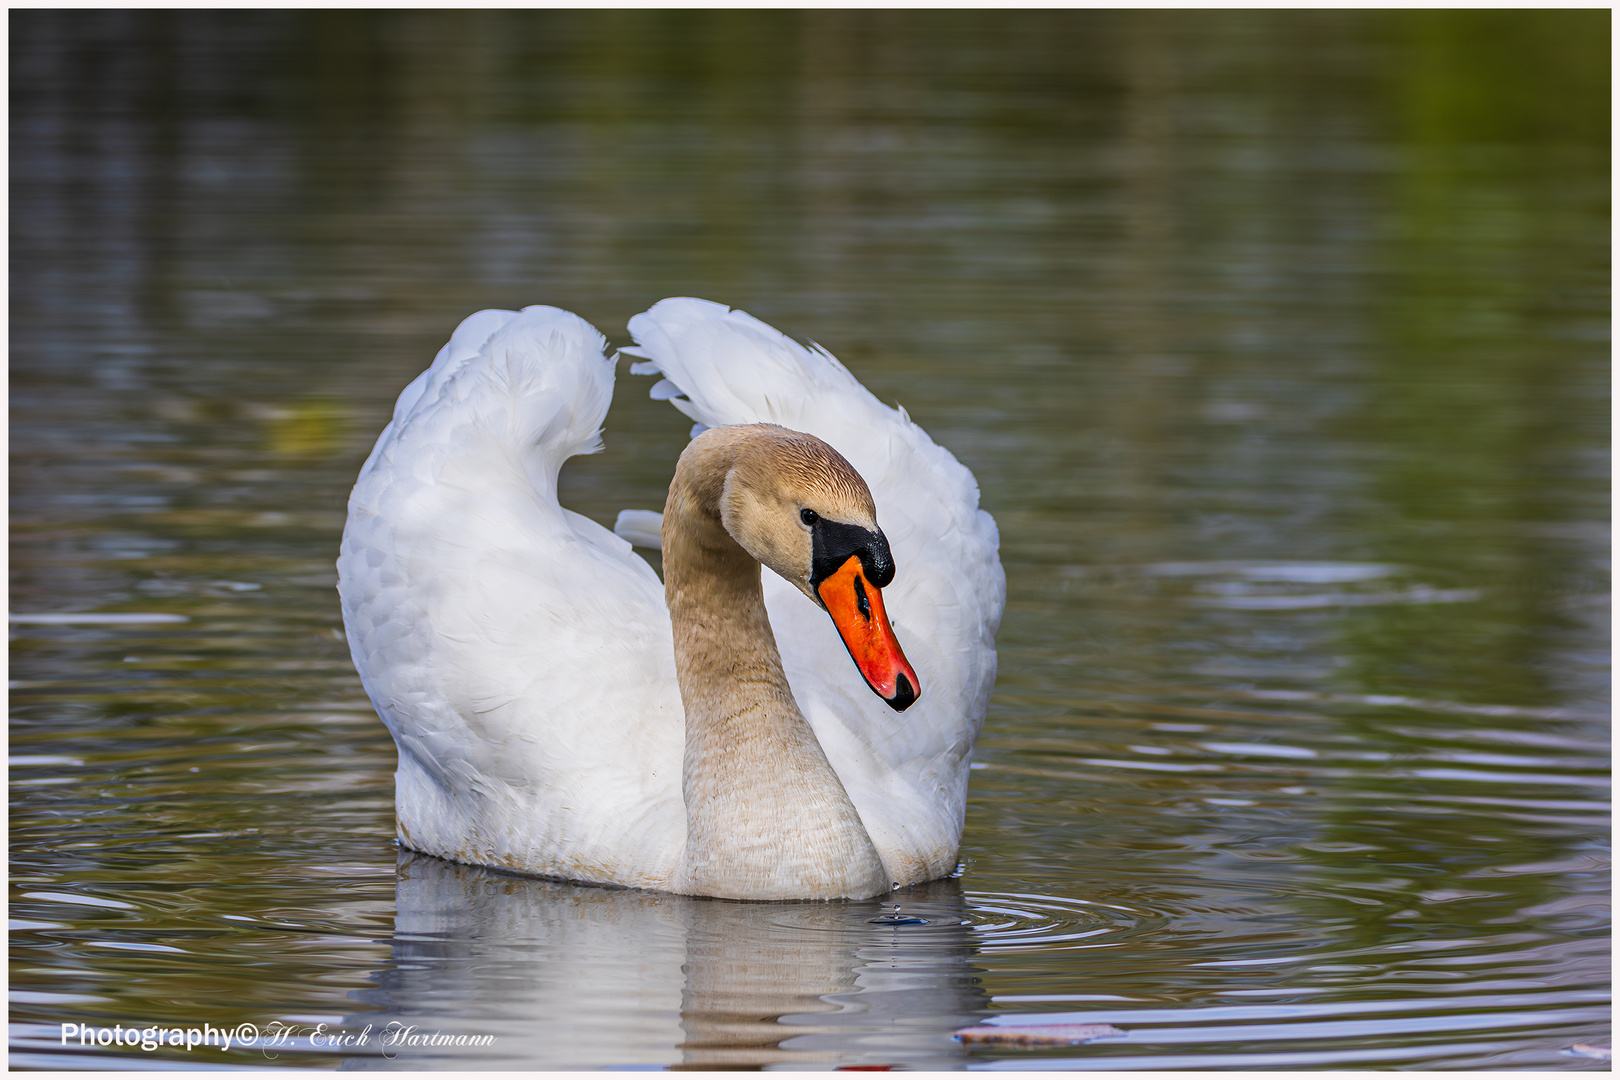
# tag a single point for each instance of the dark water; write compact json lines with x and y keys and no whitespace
{"x":1278,"y":343}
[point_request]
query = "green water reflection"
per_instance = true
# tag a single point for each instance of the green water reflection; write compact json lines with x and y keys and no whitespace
{"x":1278,"y":343}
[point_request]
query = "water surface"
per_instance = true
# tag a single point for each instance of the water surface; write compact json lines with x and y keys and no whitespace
{"x":1278,"y":343}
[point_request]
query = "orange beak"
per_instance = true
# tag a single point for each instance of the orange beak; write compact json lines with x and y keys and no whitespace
{"x":856,"y":607}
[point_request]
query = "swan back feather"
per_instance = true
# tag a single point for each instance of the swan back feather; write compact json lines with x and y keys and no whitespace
{"x":481,"y":615}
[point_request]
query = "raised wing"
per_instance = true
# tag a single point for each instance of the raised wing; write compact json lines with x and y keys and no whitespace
{"x":906,"y":773}
{"x":520,"y":654}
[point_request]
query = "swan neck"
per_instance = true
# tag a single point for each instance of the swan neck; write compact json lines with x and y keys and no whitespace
{"x":767,"y":817}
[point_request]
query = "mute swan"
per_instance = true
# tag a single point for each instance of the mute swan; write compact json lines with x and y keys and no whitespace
{"x":550,"y":716}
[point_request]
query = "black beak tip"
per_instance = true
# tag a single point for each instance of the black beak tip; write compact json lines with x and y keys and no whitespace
{"x":904,"y":695}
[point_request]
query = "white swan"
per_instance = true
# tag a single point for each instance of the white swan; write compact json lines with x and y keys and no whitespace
{"x":524,"y":658}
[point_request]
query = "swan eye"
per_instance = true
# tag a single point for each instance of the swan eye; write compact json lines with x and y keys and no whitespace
{"x":809,"y":517}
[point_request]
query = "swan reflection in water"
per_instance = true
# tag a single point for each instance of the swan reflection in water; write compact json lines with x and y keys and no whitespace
{"x":578,"y":976}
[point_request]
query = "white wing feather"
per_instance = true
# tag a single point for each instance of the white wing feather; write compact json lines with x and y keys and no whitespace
{"x":520,"y":654}
{"x":906,"y":772}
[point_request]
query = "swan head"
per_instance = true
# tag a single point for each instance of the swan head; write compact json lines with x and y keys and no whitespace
{"x":795,"y":504}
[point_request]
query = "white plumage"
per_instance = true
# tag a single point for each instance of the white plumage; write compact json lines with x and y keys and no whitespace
{"x":522,"y":654}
